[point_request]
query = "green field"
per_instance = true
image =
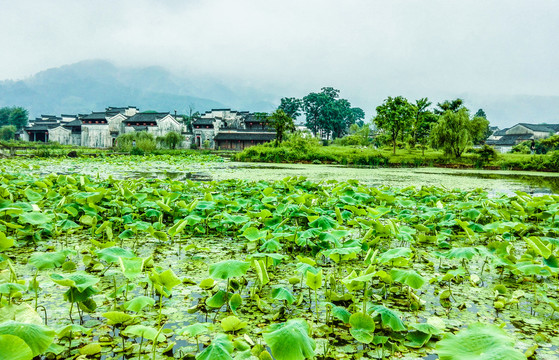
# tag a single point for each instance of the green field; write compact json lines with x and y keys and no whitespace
{"x":140,"y":265}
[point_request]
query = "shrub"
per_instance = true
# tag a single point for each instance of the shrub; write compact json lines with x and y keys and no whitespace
{"x":144,"y":141}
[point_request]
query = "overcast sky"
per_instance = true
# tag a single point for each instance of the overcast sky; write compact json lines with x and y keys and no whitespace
{"x":364,"y":48}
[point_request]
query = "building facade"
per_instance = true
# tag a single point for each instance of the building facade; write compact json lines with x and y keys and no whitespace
{"x":214,"y":129}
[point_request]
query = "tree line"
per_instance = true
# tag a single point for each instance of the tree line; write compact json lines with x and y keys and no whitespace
{"x":12,"y":119}
{"x":448,"y":126}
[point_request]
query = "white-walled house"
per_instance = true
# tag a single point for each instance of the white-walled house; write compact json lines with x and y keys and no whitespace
{"x":221,"y":128}
{"x":504,"y":140}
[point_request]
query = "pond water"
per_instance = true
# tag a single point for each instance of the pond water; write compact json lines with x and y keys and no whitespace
{"x":495,"y":182}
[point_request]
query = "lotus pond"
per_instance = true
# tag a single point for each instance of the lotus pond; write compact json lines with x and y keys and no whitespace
{"x":163,"y":267}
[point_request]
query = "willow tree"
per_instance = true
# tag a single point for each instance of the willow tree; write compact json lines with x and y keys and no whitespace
{"x":455,"y":131}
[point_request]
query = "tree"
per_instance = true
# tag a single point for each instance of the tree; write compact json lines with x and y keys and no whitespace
{"x":7,"y":132}
{"x":329,"y":115}
{"x":455,"y":131}
{"x":453,"y":105}
{"x":423,"y":121}
{"x":394,"y":116}
{"x":16,"y":116}
{"x":480,"y":113}
{"x":172,"y":139}
{"x":291,"y":107}
{"x":282,"y":123}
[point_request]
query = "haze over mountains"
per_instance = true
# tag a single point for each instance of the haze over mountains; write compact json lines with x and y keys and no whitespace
{"x":93,"y":85}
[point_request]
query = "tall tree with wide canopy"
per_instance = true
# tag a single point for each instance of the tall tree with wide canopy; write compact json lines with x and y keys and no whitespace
{"x":291,"y":107}
{"x":423,"y":121}
{"x":16,"y":116}
{"x":394,"y":116}
{"x":327,"y":114}
{"x":455,"y":131}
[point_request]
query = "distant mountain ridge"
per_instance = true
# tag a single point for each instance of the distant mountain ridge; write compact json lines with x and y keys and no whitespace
{"x":92,"y":85}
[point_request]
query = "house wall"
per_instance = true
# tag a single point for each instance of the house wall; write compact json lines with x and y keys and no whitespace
{"x":96,"y":136}
{"x":60,"y":135}
{"x":203,"y":135}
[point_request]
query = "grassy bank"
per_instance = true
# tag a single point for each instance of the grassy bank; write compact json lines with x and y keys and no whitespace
{"x":384,"y":157}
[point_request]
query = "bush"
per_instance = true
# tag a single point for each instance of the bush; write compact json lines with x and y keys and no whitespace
{"x":486,"y":153}
{"x":144,"y":141}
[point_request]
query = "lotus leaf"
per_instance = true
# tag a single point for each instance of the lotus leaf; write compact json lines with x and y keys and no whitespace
{"x":228,"y":268}
{"x":480,"y":342}
{"x":131,"y":267}
{"x":194,"y":330}
{"x":112,"y":254}
{"x":281,"y":293}
{"x":217,"y":300}
{"x":48,"y":260}
{"x":14,"y":348}
{"x":5,"y":242}
{"x":22,"y":313}
{"x":35,"y":218}
{"x":117,"y":317}
{"x":220,"y":349}
{"x":37,"y":337}
{"x":76,"y":280}
{"x":235,"y":302}
{"x":314,"y":281}
{"x":290,"y":340}
{"x":388,"y":317}
{"x":408,"y":277}
{"x":232,"y":323}
{"x":138,"y":303}
{"x":146,"y":332}
{"x":362,"y":327}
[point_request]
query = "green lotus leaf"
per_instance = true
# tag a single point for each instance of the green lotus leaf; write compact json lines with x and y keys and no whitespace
{"x":281,"y":293}
{"x":66,"y":225}
{"x":117,"y":317}
{"x":48,"y":260}
{"x":76,"y":280}
{"x":232,"y":323}
{"x":14,"y":348}
{"x":228,"y":268}
{"x":138,"y":303}
{"x":217,"y":300}
{"x":5,"y":242}
{"x":146,"y":332}
{"x":220,"y":349}
{"x":479,"y":342}
{"x":253,"y":234}
{"x":392,"y":255}
{"x":131,"y":267}
{"x":323,"y":222}
{"x":35,"y":218}
{"x":90,"y":349}
{"x":462,"y":253}
{"x":168,"y":279}
{"x":37,"y":337}
{"x":21,"y":313}
{"x":32,"y":196}
{"x":538,"y":246}
{"x":408,"y":277}
{"x":11,"y":288}
{"x":341,"y":313}
{"x":111,"y":254}
{"x":388,"y":317}
{"x":194,"y":330}
{"x":71,"y":331}
{"x":290,"y":340}
{"x":314,"y":281}
{"x":362,"y":327}
{"x":235,"y":302}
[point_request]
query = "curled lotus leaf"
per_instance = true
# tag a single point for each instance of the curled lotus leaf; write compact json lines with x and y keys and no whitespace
{"x":290,"y":340}
{"x":228,"y":268}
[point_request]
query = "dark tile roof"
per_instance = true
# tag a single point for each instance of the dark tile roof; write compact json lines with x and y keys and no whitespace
{"x":145,"y":117}
{"x":539,"y":127}
{"x":239,"y":135}
{"x":40,"y":127}
{"x":500,"y":132}
{"x":203,"y":122}
{"x":73,"y":123}
{"x":510,"y":140}
{"x":95,"y":116}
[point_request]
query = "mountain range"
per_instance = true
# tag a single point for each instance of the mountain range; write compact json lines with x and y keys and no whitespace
{"x":93,"y":85}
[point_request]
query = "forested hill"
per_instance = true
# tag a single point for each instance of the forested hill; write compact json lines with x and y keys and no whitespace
{"x":95,"y":84}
